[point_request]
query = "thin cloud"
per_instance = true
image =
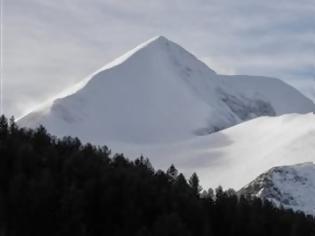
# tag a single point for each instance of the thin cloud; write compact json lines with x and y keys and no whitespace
{"x":50,"y":45}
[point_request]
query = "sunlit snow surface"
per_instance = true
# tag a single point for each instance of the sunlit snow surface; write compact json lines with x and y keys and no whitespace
{"x":161,"y":101}
{"x":235,"y":156}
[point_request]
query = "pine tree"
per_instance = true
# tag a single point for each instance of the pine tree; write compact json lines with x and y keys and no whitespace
{"x":181,"y":184}
{"x":172,"y":172}
{"x":194,"y":184}
{"x":3,"y":127}
{"x":208,"y":194}
{"x":13,"y":126}
{"x":219,"y":193}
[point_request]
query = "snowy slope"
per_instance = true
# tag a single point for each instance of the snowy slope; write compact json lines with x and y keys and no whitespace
{"x":160,"y":93}
{"x":235,"y":156}
{"x":288,"y":186}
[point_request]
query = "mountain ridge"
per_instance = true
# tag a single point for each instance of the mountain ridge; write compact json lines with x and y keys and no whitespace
{"x":291,"y":187}
{"x":177,"y":94}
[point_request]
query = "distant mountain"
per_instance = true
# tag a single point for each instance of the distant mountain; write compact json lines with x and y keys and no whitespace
{"x":160,"y":93}
{"x":292,"y":187}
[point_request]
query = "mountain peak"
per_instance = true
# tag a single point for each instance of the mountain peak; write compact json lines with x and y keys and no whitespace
{"x":157,"y":39}
{"x":287,"y":186}
{"x":161,"y":49}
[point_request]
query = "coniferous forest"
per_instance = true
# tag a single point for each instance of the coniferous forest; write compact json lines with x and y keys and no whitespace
{"x":51,"y":187}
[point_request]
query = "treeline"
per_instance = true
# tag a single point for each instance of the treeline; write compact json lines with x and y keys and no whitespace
{"x":51,"y":186}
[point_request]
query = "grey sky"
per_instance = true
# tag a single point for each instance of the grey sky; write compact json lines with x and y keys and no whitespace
{"x":49,"y":45}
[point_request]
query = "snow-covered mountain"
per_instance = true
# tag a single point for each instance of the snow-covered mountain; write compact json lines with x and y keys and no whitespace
{"x":160,"y":93}
{"x":161,"y":101}
{"x":288,"y":186}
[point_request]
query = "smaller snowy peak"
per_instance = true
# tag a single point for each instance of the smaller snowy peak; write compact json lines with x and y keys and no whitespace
{"x":291,"y":187}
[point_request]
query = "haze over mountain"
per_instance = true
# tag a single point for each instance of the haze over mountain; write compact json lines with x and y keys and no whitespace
{"x":161,"y":101}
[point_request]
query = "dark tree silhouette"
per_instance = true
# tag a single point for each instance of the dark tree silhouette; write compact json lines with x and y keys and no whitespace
{"x":61,"y":187}
{"x":194,"y":184}
{"x":172,"y":172}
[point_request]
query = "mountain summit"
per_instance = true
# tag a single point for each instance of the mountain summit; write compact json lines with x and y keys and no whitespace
{"x":291,"y":187}
{"x":151,"y":48}
{"x":160,"y":93}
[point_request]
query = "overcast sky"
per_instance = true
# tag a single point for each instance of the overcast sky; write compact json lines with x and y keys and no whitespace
{"x":51,"y":44}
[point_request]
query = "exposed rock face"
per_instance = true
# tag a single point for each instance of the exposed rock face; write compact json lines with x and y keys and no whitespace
{"x":291,"y":187}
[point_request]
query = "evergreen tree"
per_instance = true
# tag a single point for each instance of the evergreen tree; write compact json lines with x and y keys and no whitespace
{"x":194,"y":184}
{"x":172,"y":172}
{"x":219,"y":193}
{"x":3,"y":127}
